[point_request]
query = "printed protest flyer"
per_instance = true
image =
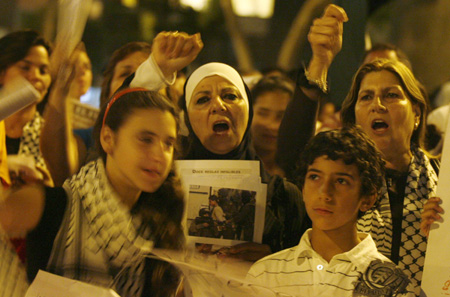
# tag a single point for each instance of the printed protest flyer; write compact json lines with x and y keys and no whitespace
{"x":225,"y":202}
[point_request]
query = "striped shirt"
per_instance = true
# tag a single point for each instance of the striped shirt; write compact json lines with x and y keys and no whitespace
{"x":300,"y":271}
{"x":13,"y":279}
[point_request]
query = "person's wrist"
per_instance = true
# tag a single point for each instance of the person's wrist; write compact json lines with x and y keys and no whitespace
{"x":312,"y":82}
{"x":167,"y":71}
{"x":163,"y":70}
{"x":163,"y":67}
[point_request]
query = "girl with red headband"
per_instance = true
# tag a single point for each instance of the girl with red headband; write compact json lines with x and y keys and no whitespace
{"x":101,"y":223}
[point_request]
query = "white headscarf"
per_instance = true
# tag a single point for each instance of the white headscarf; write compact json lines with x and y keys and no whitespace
{"x":214,"y":68}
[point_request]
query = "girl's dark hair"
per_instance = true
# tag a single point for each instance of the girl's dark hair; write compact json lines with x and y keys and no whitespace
{"x":117,"y":56}
{"x":161,"y":211}
{"x":124,"y":106}
{"x":16,"y":45}
{"x":352,"y":146}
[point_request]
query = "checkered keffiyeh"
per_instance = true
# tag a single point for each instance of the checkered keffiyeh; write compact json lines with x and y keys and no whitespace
{"x":99,"y":241}
{"x":30,"y":140}
{"x":421,"y":184}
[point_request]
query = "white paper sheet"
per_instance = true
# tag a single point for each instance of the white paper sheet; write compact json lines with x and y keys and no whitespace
{"x":72,"y":18}
{"x":50,"y":285}
{"x":436,"y":274}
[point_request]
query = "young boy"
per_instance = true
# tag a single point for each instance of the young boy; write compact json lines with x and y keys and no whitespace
{"x":340,"y":175}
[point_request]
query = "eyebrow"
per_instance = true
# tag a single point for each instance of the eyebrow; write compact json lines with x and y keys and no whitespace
{"x":227,"y":89}
{"x":151,"y":133}
{"x":336,"y":173}
{"x":397,"y":87}
{"x":224,"y":90}
{"x":203,"y":92}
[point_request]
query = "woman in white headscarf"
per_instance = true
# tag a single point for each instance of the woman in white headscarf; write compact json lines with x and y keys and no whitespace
{"x":218,"y":115}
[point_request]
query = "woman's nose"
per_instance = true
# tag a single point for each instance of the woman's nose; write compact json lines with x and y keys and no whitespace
{"x":217,"y":104}
{"x":34,"y":74}
{"x":377,"y":105}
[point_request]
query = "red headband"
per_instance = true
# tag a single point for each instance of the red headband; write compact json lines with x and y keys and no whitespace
{"x":117,"y":96}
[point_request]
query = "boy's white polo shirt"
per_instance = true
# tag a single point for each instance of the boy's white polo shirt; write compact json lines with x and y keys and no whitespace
{"x":300,"y":271}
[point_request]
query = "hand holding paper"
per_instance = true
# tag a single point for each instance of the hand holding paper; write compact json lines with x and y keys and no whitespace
{"x":430,"y":214}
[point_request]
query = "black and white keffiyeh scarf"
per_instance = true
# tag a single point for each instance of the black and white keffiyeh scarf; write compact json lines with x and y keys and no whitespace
{"x":30,"y":140}
{"x":421,"y":184}
{"x":98,"y":241}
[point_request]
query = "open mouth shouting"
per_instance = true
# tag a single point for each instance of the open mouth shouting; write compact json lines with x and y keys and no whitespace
{"x":379,"y":125}
{"x":221,"y":127}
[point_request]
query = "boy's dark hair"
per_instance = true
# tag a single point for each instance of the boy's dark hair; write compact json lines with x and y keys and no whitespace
{"x":351,"y":145}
